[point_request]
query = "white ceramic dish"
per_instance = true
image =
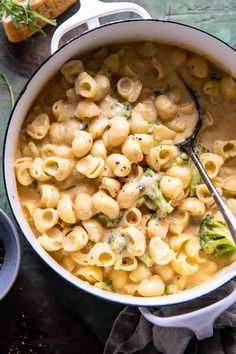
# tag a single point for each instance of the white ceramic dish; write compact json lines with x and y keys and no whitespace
{"x":142,"y":29}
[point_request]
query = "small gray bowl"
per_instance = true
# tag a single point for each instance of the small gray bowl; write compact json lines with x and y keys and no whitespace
{"x":11,"y":262}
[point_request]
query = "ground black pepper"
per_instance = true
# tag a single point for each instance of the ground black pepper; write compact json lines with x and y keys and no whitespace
{"x":1,"y":254}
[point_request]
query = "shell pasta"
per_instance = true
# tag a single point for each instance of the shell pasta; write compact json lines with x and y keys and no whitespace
{"x":101,"y":182}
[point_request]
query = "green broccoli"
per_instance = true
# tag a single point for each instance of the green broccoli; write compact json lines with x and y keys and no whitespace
{"x":65,"y":224}
{"x":150,"y":188}
{"x":182,"y":158}
{"x":171,"y":289}
{"x":199,"y":148}
{"x":105,"y":285}
{"x":146,"y":259}
{"x":149,"y":172}
{"x":107,"y":222}
{"x":127,"y":109}
{"x":195,"y":181}
{"x":117,"y":243}
{"x":140,"y":202}
{"x":215,"y":238}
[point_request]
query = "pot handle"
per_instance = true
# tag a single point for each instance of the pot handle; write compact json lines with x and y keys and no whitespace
{"x":90,"y":12}
{"x":201,"y":321}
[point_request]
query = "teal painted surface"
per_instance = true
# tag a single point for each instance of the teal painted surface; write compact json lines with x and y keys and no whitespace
{"x":18,"y":61}
{"x":216,"y":17}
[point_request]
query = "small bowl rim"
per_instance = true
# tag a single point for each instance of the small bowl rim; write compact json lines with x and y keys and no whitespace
{"x":15,"y":237}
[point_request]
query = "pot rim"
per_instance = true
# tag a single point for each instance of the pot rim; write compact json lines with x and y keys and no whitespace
{"x":186,"y":295}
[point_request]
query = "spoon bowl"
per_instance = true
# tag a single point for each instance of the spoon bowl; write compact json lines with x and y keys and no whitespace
{"x":189,"y":139}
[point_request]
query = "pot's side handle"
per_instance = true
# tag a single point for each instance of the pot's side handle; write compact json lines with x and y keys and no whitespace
{"x":201,"y":321}
{"x":90,"y":12}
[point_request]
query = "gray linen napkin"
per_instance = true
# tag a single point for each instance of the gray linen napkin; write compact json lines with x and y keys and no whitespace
{"x":132,"y":333}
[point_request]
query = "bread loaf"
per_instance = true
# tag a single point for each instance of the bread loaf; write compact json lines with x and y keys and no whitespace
{"x":49,"y":8}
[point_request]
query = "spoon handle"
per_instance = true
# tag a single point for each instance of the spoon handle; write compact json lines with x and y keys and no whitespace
{"x":226,"y":212}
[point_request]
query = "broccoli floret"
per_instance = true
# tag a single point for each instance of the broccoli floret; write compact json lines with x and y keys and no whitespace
{"x":154,"y":193}
{"x":105,"y":285}
{"x":215,"y":238}
{"x":149,"y":172}
{"x":195,"y":181}
{"x":149,"y":187}
{"x":171,"y":289}
{"x":140,"y":202}
{"x":127,"y":109}
{"x":146,"y":259}
{"x":117,"y":243}
{"x":182,"y":158}
{"x":107,"y":222}
{"x":65,"y":224}
{"x":199,"y":148}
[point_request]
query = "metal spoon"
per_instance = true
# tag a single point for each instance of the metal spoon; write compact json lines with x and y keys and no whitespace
{"x":187,"y":145}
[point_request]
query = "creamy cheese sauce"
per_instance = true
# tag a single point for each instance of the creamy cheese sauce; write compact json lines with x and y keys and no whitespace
{"x":159,"y":112}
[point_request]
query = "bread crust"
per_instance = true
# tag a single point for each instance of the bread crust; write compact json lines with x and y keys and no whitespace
{"x":48,"y":8}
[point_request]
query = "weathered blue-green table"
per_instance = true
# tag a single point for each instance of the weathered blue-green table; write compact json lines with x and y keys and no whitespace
{"x":42,"y":314}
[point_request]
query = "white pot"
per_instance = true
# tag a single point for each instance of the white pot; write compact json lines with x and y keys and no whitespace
{"x":130,"y":30}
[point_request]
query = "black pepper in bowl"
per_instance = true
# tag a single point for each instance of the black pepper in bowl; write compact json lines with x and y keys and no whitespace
{"x":1,"y":254}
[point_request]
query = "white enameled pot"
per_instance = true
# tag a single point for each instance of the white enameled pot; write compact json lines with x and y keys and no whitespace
{"x":200,"y":321}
